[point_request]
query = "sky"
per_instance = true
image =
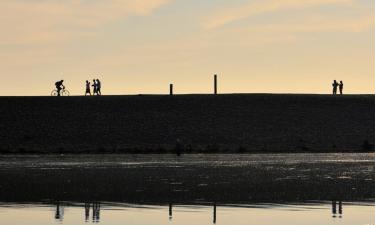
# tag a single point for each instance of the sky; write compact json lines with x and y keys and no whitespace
{"x":141,"y":46}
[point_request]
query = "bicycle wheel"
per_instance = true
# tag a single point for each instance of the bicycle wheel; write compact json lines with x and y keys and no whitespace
{"x":54,"y":93}
{"x":65,"y":93}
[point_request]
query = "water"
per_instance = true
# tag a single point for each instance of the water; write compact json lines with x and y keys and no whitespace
{"x":193,"y":189}
{"x":115,"y":213}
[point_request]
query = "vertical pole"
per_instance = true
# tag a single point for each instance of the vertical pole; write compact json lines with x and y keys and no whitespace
{"x":215,"y":84}
{"x":171,"y":89}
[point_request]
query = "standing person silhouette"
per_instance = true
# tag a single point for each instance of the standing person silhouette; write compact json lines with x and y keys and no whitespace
{"x":59,"y":86}
{"x":341,"y":87}
{"x":95,"y":87}
{"x":98,"y":87}
{"x":88,"y":90}
{"x":335,"y":85}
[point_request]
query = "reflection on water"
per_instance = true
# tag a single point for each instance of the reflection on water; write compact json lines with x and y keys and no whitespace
{"x":59,"y":215}
{"x":192,"y":189}
{"x":95,"y":211}
{"x":95,"y":207}
{"x":334,"y":208}
{"x":121,"y":213}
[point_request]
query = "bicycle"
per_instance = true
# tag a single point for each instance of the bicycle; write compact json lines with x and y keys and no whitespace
{"x":63,"y":92}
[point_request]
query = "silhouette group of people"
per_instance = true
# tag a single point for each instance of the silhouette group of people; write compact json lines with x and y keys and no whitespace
{"x":96,"y":87}
{"x":336,"y":86}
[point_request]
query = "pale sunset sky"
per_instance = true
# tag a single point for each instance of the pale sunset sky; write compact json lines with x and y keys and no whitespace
{"x":140,"y":46}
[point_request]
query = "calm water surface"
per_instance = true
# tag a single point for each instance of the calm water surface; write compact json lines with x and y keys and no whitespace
{"x":111,"y":214}
{"x":192,"y":189}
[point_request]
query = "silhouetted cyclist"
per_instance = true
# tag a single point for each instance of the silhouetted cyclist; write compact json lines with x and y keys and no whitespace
{"x":59,"y":86}
{"x":341,"y":87}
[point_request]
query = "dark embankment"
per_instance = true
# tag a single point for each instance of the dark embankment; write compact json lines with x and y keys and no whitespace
{"x":203,"y":123}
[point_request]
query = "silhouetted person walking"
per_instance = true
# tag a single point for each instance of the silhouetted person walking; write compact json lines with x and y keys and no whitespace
{"x":341,"y":87}
{"x":88,"y":90}
{"x":59,"y":86}
{"x":335,"y":85}
{"x":95,"y":87}
{"x":98,"y":87}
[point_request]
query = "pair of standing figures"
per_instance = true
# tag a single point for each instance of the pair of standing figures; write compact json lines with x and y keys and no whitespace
{"x":336,"y":86}
{"x":96,"y":84}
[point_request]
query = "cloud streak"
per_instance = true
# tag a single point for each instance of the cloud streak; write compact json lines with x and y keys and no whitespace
{"x":227,"y":16}
{"x":323,"y":25}
{"x":38,"y":20}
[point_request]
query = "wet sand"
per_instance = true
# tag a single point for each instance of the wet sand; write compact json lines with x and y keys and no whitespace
{"x":192,"y":179}
{"x":238,"y":123}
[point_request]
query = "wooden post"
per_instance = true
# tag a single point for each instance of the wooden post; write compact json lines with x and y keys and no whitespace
{"x":215,"y":84}
{"x":171,"y":89}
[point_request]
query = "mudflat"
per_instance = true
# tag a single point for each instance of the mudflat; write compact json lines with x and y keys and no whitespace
{"x":230,"y":123}
{"x":192,"y":178}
